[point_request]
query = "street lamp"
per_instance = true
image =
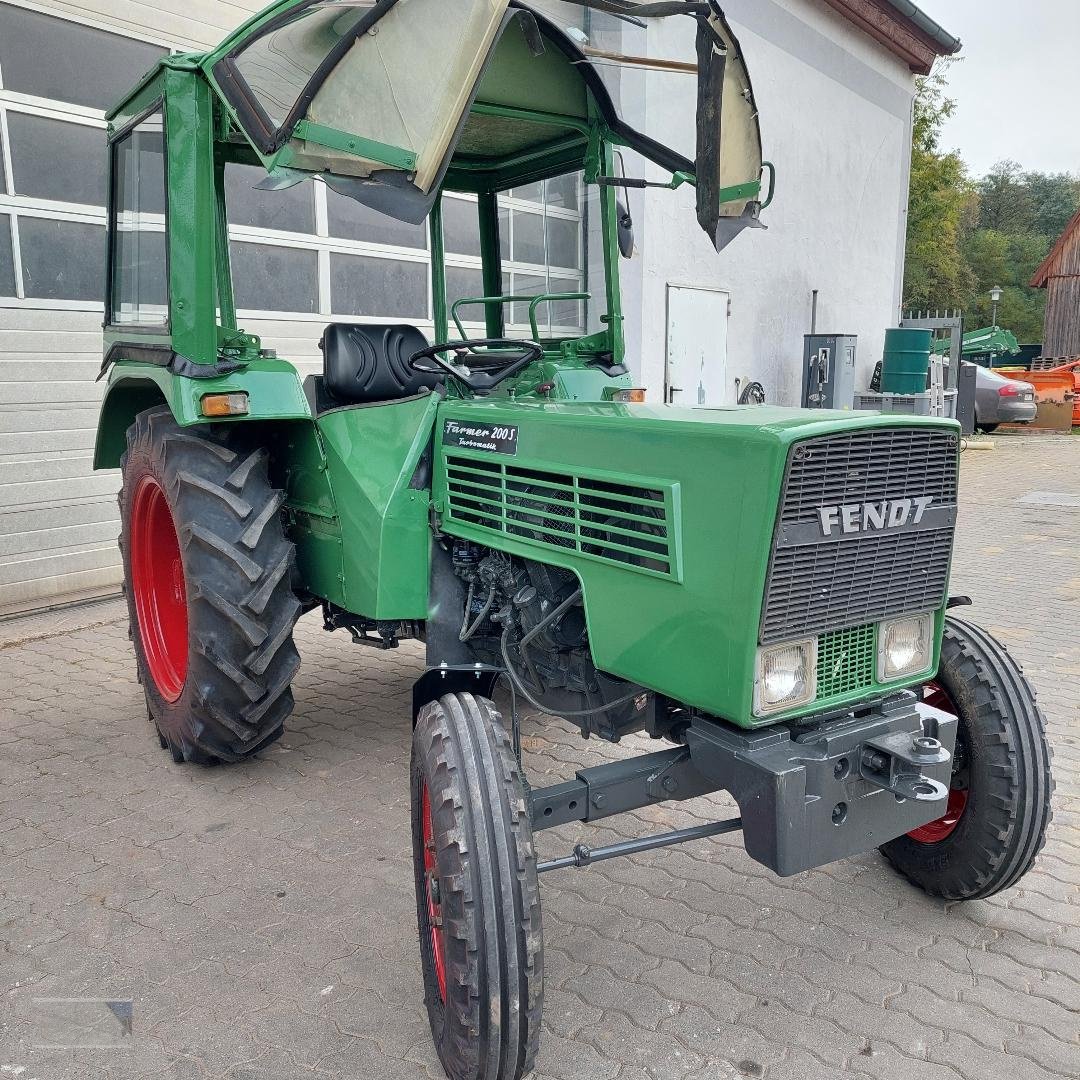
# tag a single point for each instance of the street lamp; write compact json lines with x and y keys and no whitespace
{"x":995,"y":296}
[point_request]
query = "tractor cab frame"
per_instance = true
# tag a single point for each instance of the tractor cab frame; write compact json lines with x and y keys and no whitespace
{"x":513,"y":99}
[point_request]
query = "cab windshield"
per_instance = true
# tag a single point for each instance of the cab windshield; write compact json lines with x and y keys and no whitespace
{"x":387,"y":98}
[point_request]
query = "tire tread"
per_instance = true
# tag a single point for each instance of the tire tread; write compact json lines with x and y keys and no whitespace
{"x":238,"y":569}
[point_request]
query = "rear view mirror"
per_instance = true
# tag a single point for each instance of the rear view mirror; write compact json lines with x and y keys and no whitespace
{"x":625,"y":229}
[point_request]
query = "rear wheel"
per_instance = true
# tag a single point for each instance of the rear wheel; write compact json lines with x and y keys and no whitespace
{"x":986,"y":428}
{"x":477,"y":897}
{"x":208,"y":580}
{"x":999,"y":798}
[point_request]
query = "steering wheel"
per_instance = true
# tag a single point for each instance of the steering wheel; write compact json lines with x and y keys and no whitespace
{"x":481,"y":372}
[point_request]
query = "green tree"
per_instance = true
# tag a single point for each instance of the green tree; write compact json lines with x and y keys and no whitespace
{"x":935,"y":271}
{"x":1055,"y":197}
{"x":966,"y":237}
{"x":1005,"y":203}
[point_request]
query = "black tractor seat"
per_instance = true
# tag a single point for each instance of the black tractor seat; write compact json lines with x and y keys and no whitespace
{"x":366,"y":363}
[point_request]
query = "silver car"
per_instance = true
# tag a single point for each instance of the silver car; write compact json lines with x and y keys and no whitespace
{"x":999,"y":400}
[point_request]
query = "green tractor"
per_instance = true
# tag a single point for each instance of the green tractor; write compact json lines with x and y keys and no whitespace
{"x":763,"y":588}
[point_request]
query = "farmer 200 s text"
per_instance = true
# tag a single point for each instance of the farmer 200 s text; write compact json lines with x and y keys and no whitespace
{"x":764,"y":588}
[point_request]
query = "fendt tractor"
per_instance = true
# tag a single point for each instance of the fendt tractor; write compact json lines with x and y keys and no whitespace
{"x":764,"y":589}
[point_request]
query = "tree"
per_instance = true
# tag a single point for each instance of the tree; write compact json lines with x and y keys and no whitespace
{"x":964,"y":238}
{"x":1055,"y":198}
{"x":1005,"y":203}
{"x":935,"y":272}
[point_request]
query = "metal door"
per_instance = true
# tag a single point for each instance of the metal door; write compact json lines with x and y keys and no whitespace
{"x":696,"y":372}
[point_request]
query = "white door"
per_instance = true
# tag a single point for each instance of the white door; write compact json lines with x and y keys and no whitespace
{"x":696,"y":374}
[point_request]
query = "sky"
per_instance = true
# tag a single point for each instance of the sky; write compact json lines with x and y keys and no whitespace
{"x":1017,"y":88}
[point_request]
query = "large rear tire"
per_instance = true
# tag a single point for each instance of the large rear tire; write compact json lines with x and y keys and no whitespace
{"x":208,"y":580}
{"x":477,"y":897}
{"x":999,"y":800}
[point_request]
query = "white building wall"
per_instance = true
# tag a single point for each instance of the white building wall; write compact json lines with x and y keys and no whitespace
{"x":835,"y":119}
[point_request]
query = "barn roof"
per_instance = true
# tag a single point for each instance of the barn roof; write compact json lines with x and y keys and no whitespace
{"x":903,"y":28}
{"x":1045,"y":271}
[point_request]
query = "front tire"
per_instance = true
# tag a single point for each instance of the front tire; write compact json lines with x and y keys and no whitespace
{"x":999,"y":800}
{"x":207,"y":574}
{"x":477,"y":897}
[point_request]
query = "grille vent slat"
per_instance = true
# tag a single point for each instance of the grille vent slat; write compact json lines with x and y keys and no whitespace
{"x":602,"y":519}
{"x":846,"y":661}
{"x":816,"y":588}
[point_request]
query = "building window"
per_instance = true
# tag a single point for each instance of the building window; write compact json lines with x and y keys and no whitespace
{"x":57,"y":160}
{"x":350,"y":220}
{"x":7,"y":263}
{"x":274,"y":277}
{"x":57,"y":77}
{"x":542,"y":229}
{"x":286,"y":210}
{"x":139,"y":262}
{"x":61,"y":260}
{"x":380,"y":288}
{"x":46,"y":57}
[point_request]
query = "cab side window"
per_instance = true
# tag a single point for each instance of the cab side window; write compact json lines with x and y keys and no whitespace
{"x":139,"y":264}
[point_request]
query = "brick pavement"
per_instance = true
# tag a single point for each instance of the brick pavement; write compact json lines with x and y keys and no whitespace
{"x":261,"y":916}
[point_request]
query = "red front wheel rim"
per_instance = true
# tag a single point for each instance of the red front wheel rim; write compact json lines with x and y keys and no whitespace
{"x":933,"y":832}
{"x":431,"y":892}
{"x":157,"y":585}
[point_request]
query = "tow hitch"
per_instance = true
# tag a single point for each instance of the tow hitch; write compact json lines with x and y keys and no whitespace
{"x":896,"y":763}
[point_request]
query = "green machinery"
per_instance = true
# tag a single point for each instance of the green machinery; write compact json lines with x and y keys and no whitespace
{"x":765,"y":589}
{"x":989,"y":341}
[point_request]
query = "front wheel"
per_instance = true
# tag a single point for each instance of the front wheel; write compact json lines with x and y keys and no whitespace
{"x":477,"y":897}
{"x":999,"y":799}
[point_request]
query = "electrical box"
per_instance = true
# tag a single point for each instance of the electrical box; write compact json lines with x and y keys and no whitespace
{"x":828,"y":371}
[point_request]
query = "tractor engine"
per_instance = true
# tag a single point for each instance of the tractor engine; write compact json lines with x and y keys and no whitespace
{"x":528,"y":618}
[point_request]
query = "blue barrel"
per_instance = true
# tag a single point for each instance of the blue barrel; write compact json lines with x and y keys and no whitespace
{"x":906,"y":363}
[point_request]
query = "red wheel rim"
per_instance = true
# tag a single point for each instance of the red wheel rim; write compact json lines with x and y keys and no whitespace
{"x":431,"y":885}
{"x":157,"y":584}
{"x":933,"y":832}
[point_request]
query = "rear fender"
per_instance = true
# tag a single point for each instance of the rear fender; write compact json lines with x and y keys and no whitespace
{"x":273,"y":388}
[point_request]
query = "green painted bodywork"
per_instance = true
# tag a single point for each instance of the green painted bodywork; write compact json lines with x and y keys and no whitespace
{"x":372,"y":455}
{"x":364,"y":484}
{"x":273,"y":387}
{"x":692,"y":635}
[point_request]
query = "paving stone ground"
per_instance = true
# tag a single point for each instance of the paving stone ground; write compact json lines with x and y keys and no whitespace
{"x":261,"y":916}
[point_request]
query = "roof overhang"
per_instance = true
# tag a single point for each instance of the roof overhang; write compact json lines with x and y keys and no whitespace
{"x":903,"y":28}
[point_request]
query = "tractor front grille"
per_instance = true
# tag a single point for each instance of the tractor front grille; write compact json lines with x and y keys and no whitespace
{"x":590,"y":515}
{"x":818,"y":583}
{"x":845,"y":661}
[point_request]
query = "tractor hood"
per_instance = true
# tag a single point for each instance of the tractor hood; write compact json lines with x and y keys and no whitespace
{"x":569,"y":484}
{"x":375,"y":95}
